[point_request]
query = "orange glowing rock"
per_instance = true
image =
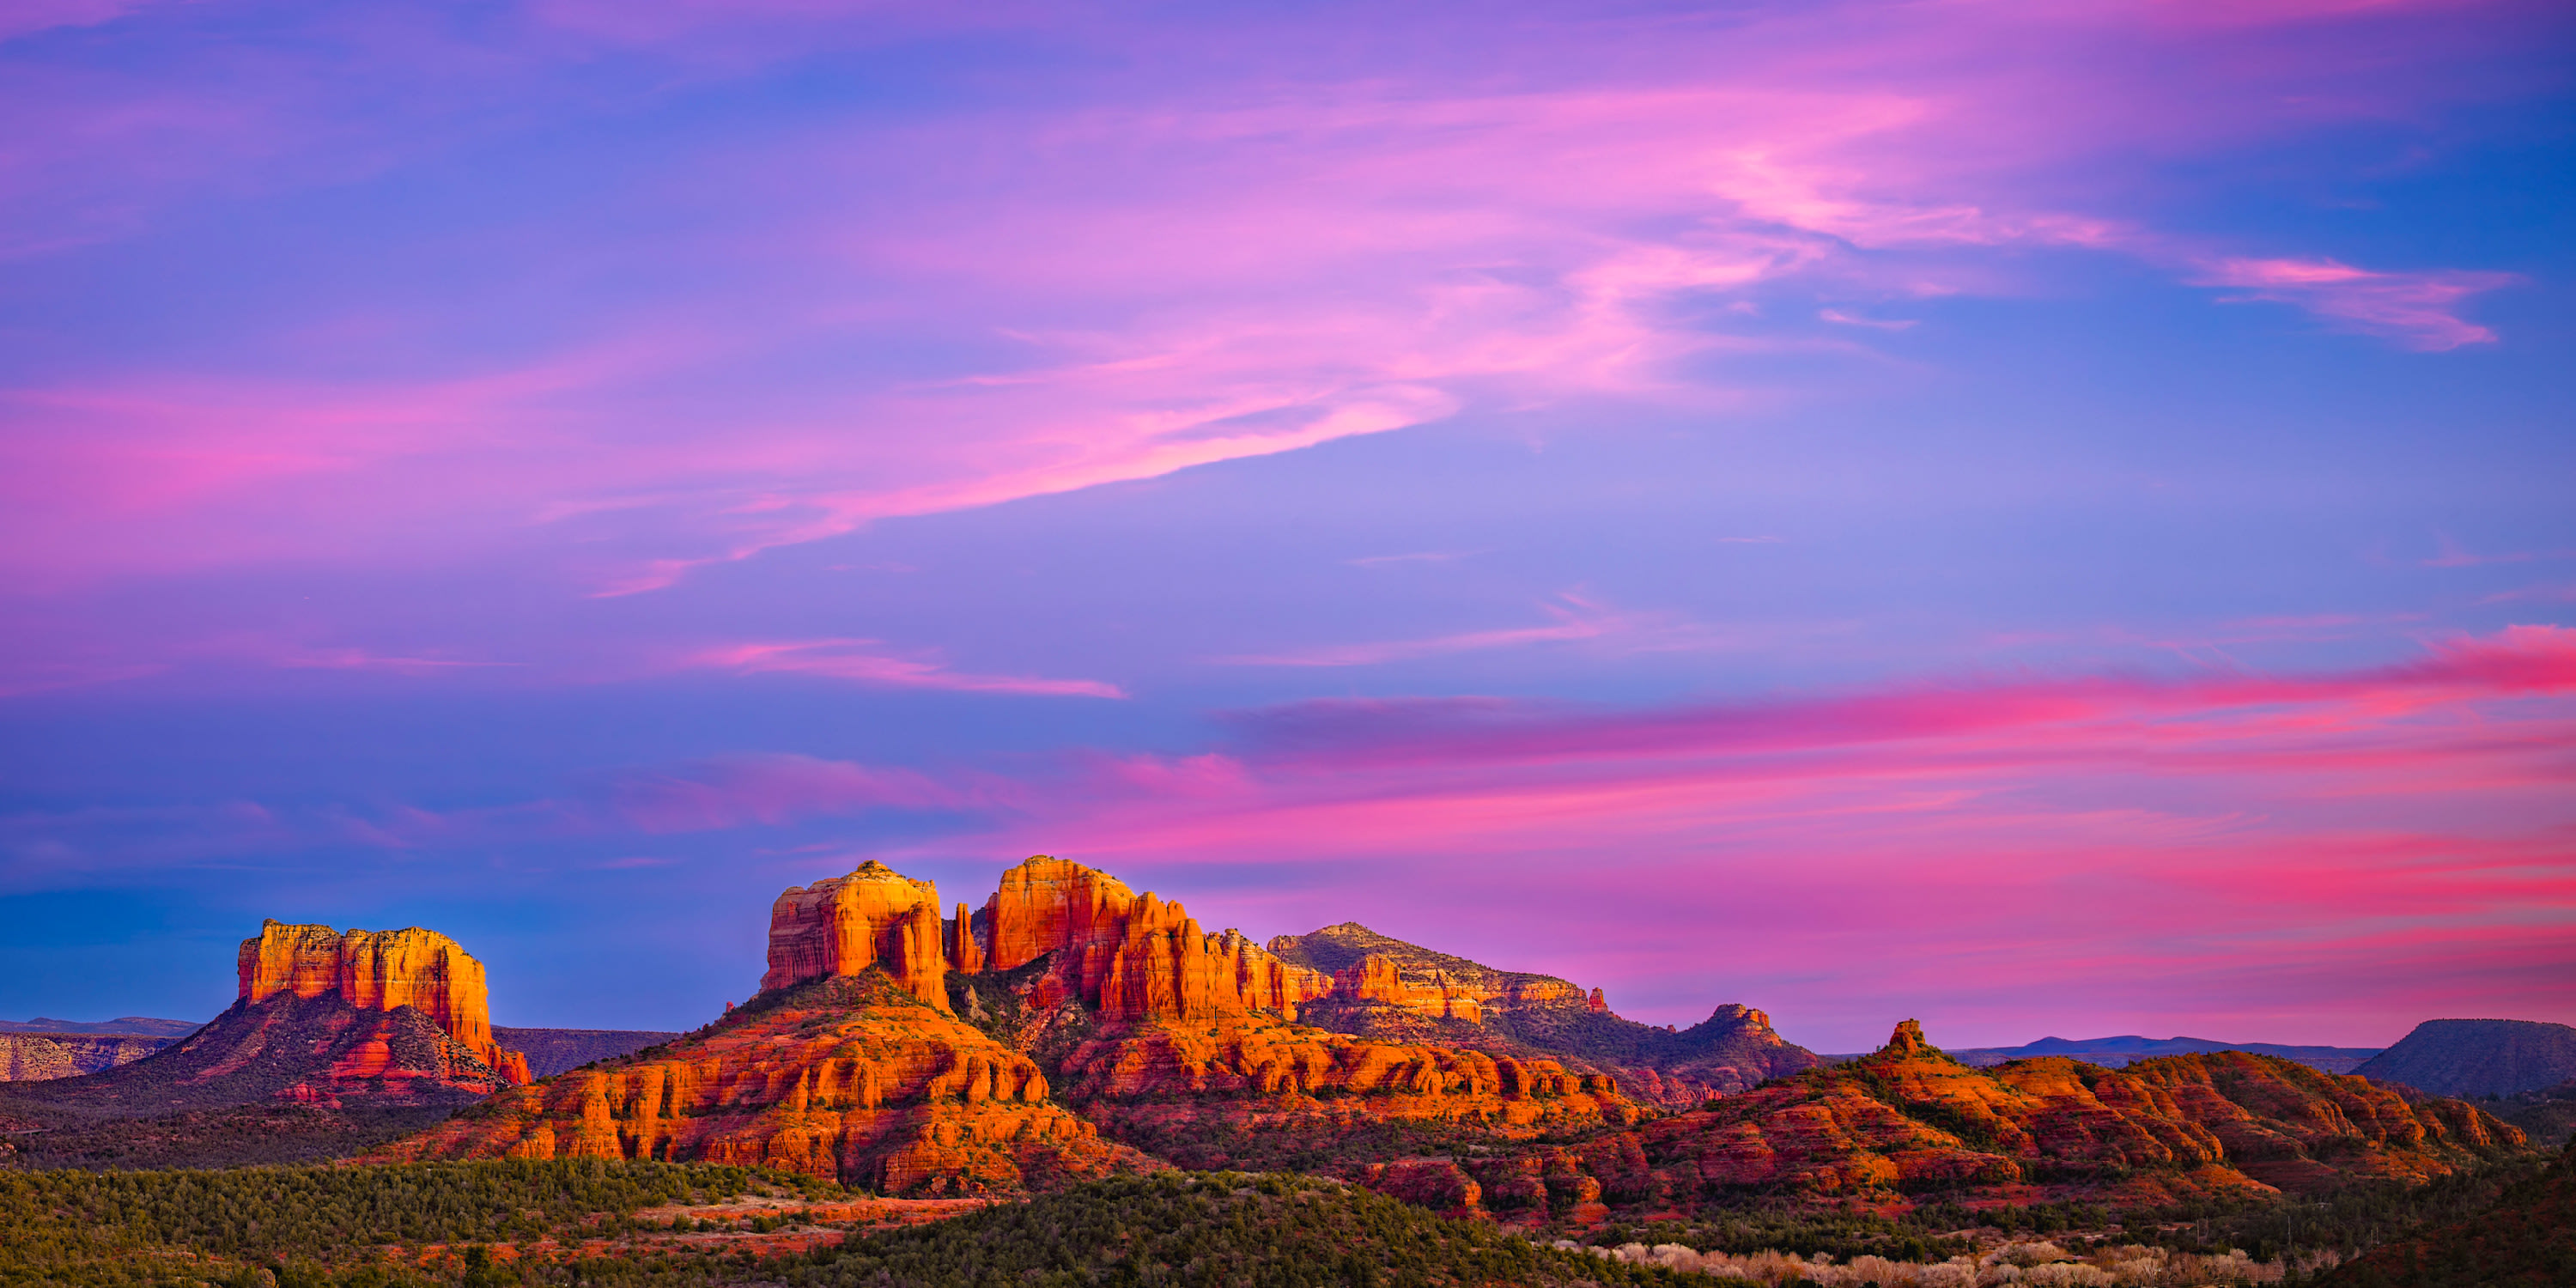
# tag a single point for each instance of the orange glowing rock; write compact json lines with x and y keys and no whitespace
{"x":379,"y":970}
{"x":841,"y":926}
{"x":1134,"y":957}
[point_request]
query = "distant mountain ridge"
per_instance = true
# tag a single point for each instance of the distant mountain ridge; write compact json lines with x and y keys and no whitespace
{"x":553,"y":1051}
{"x":2478,"y":1057}
{"x":133,"y":1025}
{"x":2120,"y":1052}
{"x":42,"y":1057}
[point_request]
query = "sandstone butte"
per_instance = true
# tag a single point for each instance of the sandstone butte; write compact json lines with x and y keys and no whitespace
{"x":889,"y":1049}
{"x":395,"y":1019}
{"x":1910,"y":1119}
{"x":1070,"y":1021}
{"x":379,"y":971}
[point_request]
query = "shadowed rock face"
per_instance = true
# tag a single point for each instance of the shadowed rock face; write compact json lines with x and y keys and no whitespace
{"x":2478,"y":1057}
{"x":37,"y":1057}
{"x":379,"y":970}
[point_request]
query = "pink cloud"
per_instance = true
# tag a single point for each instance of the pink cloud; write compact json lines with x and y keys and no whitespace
{"x":2417,"y":310}
{"x":854,"y":660}
{"x":1225,"y":266}
{"x":2047,"y":838}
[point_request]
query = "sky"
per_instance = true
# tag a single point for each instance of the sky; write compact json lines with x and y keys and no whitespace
{"x":2048,"y":518}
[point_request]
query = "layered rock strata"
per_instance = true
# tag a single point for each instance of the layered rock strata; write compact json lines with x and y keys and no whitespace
{"x":379,"y":970}
{"x":1909,"y":1117}
{"x":1388,"y":989}
{"x":315,"y":1050}
{"x":847,"y":1077}
{"x":1132,"y":957}
{"x":874,"y":918}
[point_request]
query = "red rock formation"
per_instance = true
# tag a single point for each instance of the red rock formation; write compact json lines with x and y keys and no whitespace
{"x":874,"y":917}
{"x":2160,"y":1129}
{"x":1382,"y":980}
{"x":847,"y":1078}
{"x":379,"y":970}
{"x":965,"y":956}
{"x":1390,"y":990}
{"x":1133,"y":957}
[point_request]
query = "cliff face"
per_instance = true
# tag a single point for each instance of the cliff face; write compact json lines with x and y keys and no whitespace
{"x":842,"y":926}
{"x":379,"y":970}
{"x":316,"y":1050}
{"x":1134,"y":958}
{"x":847,"y":1077}
{"x":1388,"y":989}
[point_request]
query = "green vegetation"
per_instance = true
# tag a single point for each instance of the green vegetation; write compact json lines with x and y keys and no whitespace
{"x":103,"y":1228}
{"x":339,"y":1227}
{"x":2527,"y":1237}
{"x":1208,"y":1228}
{"x":227,"y":1136}
{"x":2548,"y":1116}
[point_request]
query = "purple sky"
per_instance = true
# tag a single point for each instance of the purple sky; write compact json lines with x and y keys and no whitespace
{"x":2053,"y":518}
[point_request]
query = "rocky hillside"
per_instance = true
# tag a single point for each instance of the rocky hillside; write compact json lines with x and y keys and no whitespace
{"x":394,"y":1019}
{"x":846,"y":1077}
{"x":892,"y":1049}
{"x":1386,"y":988}
{"x":2526,"y":1240}
{"x":1908,"y":1119}
{"x":37,"y":1057}
{"x":2478,"y":1057}
{"x":552,"y":1051}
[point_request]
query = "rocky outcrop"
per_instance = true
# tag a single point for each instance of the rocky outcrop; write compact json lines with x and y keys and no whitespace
{"x":316,"y":1050}
{"x":34,"y":1057}
{"x":1388,"y":989}
{"x":1911,"y":1118}
{"x":874,"y":918}
{"x":2478,"y":1057}
{"x":847,"y":1077}
{"x":1378,"y":980}
{"x":378,"y":970}
{"x":1132,"y":957}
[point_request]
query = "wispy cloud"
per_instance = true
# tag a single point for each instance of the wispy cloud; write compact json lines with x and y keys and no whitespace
{"x":2415,"y":310}
{"x":861,"y":661}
